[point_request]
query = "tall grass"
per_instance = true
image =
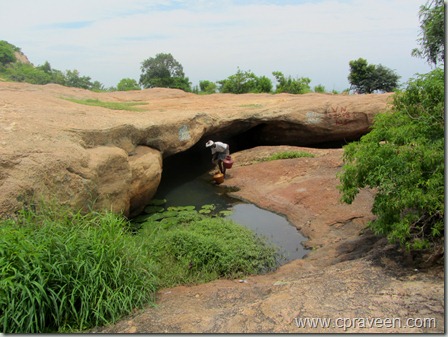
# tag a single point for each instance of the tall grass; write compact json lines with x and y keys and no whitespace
{"x":67,"y":272}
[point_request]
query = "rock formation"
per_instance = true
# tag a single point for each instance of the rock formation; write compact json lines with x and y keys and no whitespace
{"x":94,"y":157}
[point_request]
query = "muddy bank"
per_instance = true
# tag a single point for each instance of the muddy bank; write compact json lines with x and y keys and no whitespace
{"x":350,"y":277}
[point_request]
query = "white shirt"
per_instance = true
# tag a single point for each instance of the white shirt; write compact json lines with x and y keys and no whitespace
{"x":220,"y":147}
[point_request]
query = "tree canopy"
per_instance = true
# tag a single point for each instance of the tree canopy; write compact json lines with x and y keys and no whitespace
{"x":163,"y":71}
{"x":290,"y":85}
{"x":6,"y":53}
{"x":244,"y":82}
{"x":127,"y":84}
{"x":367,"y":78}
{"x":432,"y":32}
{"x":403,"y":158}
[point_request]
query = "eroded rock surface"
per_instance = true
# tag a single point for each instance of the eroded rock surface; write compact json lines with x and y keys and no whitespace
{"x":87,"y":156}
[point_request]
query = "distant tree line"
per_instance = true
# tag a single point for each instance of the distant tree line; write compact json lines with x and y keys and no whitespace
{"x":165,"y":71}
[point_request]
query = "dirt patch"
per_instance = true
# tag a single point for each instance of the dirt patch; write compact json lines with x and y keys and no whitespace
{"x":351,"y":277}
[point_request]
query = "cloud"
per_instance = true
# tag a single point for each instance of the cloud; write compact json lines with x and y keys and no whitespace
{"x":108,"y":39}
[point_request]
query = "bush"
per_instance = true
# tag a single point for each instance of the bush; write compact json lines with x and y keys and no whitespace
{"x":21,"y":72}
{"x":127,"y":84}
{"x":244,"y":82}
{"x":290,"y":85}
{"x":193,"y":248}
{"x":61,"y":271}
{"x":7,"y":53}
{"x":207,"y":87}
{"x":403,"y":158}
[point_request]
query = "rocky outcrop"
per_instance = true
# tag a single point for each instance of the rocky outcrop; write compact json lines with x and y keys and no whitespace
{"x":94,"y":157}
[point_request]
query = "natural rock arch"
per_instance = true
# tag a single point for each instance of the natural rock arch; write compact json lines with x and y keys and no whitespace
{"x":92,"y":157}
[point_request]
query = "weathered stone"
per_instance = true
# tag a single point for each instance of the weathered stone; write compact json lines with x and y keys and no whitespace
{"x":87,"y":156}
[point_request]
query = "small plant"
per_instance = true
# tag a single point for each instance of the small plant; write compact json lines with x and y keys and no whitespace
{"x":129,"y":106}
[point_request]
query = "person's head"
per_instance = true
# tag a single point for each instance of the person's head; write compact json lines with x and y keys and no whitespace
{"x":210,"y":143}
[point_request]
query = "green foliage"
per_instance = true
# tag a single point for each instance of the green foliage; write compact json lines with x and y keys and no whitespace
{"x":319,"y":88}
{"x":366,"y":78}
{"x":432,"y":32}
{"x":207,"y":87}
{"x":127,"y":84}
{"x":12,"y":70}
{"x":403,"y":159}
{"x":129,"y":106}
{"x":288,"y":155}
{"x":244,"y":82}
{"x":290,"y":85}
{"x":74,"y":79}
{"x":61,"y":271}
{"x":192,"y":247}
{"x":165,"y":72}
{"x":21,"y":72}
{"x":6,"y":53}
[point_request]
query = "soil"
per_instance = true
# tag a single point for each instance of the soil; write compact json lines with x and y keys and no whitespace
{"x":357,"y":280}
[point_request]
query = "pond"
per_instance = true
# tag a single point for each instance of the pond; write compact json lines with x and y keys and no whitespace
{"x":186,"y":181}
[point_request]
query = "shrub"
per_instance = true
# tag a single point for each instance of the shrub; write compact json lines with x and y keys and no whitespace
{"x":193,"y":248}
{"x":403,"y":158}
{"x":244,"y":82}
{"x":291,"y":85}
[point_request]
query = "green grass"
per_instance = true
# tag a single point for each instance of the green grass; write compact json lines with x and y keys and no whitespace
{"x":288,"y":155}
{"x":129,"y":106}
{"x":68,"y":272}
{"x":194,"y":248}
{"x":62,"y":271}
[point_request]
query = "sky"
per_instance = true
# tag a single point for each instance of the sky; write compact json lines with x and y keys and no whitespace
{"x":108,"y":40}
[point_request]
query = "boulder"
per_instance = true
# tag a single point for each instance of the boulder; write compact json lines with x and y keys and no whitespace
{"x":92,"y":157}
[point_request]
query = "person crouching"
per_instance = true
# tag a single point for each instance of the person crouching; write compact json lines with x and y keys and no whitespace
{"x":220,"y":151}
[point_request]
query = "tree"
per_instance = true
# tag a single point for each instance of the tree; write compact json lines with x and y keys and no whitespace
{"x":290,"y":85}
{"x":165,"y":72}
{"x":244,"y":82}
{"x":319,"y":88}
{"x":127,"y":84}
{"x":7,"y":54}
{"x":432,"y":46}
{"x":73,"y":79}
{"x":403,"y":159}
{"x":366,"y":78}
{"x":207,"y":87}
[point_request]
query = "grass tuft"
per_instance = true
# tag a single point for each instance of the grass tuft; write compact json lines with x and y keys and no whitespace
{"x":288,"y":155}
{"x":129,"y":106}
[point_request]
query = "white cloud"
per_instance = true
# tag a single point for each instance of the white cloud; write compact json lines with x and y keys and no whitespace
{"x":108,"y":39}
